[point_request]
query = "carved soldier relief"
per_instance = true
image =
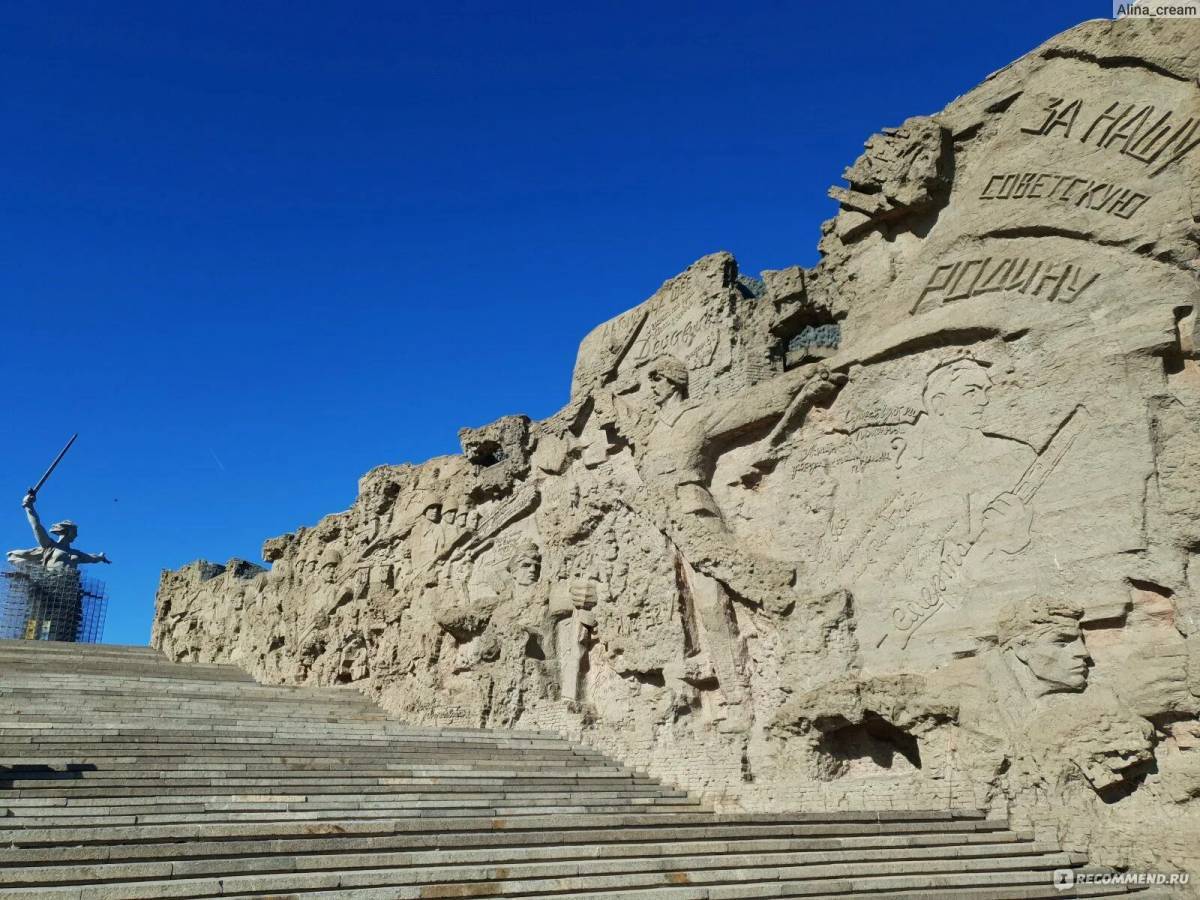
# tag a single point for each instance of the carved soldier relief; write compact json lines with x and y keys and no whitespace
{"x":915,"y":526}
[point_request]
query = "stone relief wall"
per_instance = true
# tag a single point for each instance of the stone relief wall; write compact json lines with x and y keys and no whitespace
{"x":953,"y":560}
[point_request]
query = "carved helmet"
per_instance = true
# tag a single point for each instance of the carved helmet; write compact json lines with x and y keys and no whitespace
{"x":526,"y":549}
{"x":670,"y":368}
{"x":331,"y":557}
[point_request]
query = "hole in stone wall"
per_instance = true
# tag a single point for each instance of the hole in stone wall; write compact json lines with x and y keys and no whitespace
{"x":1152,"y":587}
{"x":533,"y":648}
{"x":750,"y":288}
{"x":1176,"y":356}
{"x":486,"y":453}
{"x":654,"y":677}
{"x":1134,"y":777}
{"x":873,"y":743}
{"x":811,"y":335}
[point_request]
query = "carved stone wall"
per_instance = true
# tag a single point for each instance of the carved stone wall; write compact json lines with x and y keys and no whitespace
{"x":916,"y":527}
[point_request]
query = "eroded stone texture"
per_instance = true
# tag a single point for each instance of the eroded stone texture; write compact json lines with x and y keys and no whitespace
{"x":916,"y":527}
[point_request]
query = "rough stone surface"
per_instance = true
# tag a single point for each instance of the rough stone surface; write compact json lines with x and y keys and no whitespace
{"x":953,"y":561}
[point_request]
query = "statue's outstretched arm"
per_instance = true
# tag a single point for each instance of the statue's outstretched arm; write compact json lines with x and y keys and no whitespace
{"x":81,"y":557}
{"x":39,"y":533}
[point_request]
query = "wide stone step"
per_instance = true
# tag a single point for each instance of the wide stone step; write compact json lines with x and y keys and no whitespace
{"x":29,"y":727}
{"x":313,"y":736}
{"x":178,"y":766}
{"x":253,"y":747}
{"x":247,"y":798}
{"x":57,"y":779}
{"x":206,"y":793}
{"x":47,"y":806}
{"x":316,"y":785}
{"x":519,"y":863}
{"x":191,"y":722}
{"x":97,"y":749}
{"x":515,"y":846}
{"x":562,"y":828}
{"x":544,"y":879}
{"x":140,"y":715}
{"x":734,"y":892}
{"x":300,"y":816}
{"x":129,"y":671}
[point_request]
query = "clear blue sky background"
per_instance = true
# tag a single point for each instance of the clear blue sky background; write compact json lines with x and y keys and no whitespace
{"x":250,"y":250}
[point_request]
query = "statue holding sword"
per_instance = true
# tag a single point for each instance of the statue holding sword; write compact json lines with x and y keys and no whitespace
{"x":45,"y":580}
{"x":54,"y":553}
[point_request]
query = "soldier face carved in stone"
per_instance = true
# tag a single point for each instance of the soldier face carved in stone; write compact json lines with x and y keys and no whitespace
{"x":1045,"y":637}
{"x":330,"y":560}
{"x":610,"y":551}
{"x":526,"y":565}
{"x":957,"y":394}
{"x":1058,"y":658}
{"x":665,"y":379}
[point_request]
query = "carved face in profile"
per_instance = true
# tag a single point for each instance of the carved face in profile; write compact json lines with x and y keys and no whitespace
{"x":609,"y":550}
{"x":957,"y":394}
{"x":65,"y":530}
{"x":1044,"y":635}
{"x":665,"y":378}
{"x":1057,"y":657}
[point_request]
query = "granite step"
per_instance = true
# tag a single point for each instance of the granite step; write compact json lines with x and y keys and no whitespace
{"x":441,"y":868}
{"x":482,"y":845}
{"x":542,"y":881}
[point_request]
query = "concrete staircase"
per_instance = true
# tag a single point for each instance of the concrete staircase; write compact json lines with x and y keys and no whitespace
{"x":123,"y":775}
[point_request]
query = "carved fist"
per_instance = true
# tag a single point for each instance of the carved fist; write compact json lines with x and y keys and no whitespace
{"x":29,"y":499}
{"x":1006,"y":523}
{"x":102,"y":557}
{"x":822,"y":385}
{"x":583,"y":594}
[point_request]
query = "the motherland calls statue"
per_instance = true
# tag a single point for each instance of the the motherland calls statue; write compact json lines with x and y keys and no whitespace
{"x":44,"y":586}
{"x":917,"y":527}
{"x":54,"y":553}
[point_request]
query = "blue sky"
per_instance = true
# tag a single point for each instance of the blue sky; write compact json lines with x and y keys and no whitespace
{"x":250,"y":250}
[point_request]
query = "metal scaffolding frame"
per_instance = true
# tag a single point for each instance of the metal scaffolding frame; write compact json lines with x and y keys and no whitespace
{"x":41,"y":604}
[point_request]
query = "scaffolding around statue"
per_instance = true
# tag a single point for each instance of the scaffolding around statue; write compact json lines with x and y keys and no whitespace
{"x":42,"y":604}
